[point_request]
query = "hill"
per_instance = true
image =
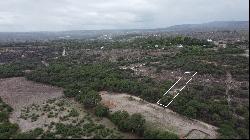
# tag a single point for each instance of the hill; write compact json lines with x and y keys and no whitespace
{"x":211,"y":26}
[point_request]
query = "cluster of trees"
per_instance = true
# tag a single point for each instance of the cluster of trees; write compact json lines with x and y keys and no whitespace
{"x":32,"y":134}
{"x":149,"y":42}
{"x":145,"y":42}
{"x":17,"y":68}
{"x":207,"y":61}
{"x":135,"y":123}
{"x":7,"y":129}
{"x":158,"y":134}
{"x":90,"y":99}
{"x":169,"y":41}
{"x":9,"y":70}
{"x":231,"y":50}
{"x":101,"y":111}
{"x":83,"y":81}
{"x":90,"y":130}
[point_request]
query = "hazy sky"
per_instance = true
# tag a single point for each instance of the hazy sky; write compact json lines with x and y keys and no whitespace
{"x":48,"y":15}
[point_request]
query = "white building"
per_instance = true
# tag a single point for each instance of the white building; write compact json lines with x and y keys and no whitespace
{"x":64,"y":52}
{"x":209,"y":40}
{"x":180,"y":46}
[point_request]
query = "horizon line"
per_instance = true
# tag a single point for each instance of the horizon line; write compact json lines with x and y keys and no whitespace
{"x":121,"y":29}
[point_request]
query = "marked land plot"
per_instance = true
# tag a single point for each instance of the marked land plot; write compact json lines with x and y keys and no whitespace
{"x":177,"y":87}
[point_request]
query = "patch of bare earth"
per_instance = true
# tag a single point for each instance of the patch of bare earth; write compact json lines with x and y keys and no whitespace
{"x":19,"y":93}
{"x":159,"y":117}
{"x":40,"y":106}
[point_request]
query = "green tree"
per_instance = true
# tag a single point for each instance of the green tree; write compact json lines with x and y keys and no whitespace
{"x":136,"y":123}
{"x":90,"y":99}
{"x":101,"y":111}
{"x":7,"y":130}
{"x":118,"y":116}
{"x":157,"y":134}
{"x":191,"y":112}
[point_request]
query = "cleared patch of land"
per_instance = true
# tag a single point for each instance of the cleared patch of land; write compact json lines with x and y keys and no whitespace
{"x":19,"y":92}
{"x":42,"y":106}
{"x":159,"y":117}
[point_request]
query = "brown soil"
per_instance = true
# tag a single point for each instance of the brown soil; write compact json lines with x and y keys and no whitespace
{"x":20,"y":93}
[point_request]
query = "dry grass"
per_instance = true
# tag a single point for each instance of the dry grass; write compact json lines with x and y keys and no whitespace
{"x":18,"y":92}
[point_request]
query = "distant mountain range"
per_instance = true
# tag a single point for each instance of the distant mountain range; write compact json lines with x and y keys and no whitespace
{"x":215,"y":26}
{"x":84,"y":34}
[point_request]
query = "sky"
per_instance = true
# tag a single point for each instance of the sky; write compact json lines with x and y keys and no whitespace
{"x":57,"y":15}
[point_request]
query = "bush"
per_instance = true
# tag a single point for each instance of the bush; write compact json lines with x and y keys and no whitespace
{"x":70,"y":92}
{"x":73,"y":113}
{"x":101,"y":111}
{"x":118,"y":116}
{"x":48,"y":135}
{"x":33,"y":134}
{"x":91,"y":99}
{"x":7,"y":130}
{"x":157,"y":134}
{"x":4,"y":116}
{"x":135,"y":124}
{"x":227,"y":132}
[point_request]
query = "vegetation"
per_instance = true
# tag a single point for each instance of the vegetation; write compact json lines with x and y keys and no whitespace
{"x":7,"y":129}
{"x":73,"y":113}
{"x":199,"y":100}
{"x":157,"y":134}
{"x":33,"y":134}
{"x":82,"y":79}
{"x":9,"y":70}
{"x":95,"y":77}
{"x":88,"y":129}
{"x":101,"y":111}
{"x":135,"y":123}
{"x":17,"y":68}
{"x":90,"y":99}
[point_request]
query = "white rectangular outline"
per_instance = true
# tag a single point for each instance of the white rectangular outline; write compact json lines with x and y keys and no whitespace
{"x":178,"y":92}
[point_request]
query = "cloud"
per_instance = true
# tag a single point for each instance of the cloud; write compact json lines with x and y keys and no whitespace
{"x":37,"y":15}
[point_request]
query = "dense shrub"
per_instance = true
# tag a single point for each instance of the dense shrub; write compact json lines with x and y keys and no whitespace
{"x":7,"y":130}
{"x":10,"y":70}
{"x":157,"y":134}
{"x":90,"y":99}
{"x":33,"y":134}
{"x":118,"y":116}
{"x":134,"y":123}
{"x":101,"y":111}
